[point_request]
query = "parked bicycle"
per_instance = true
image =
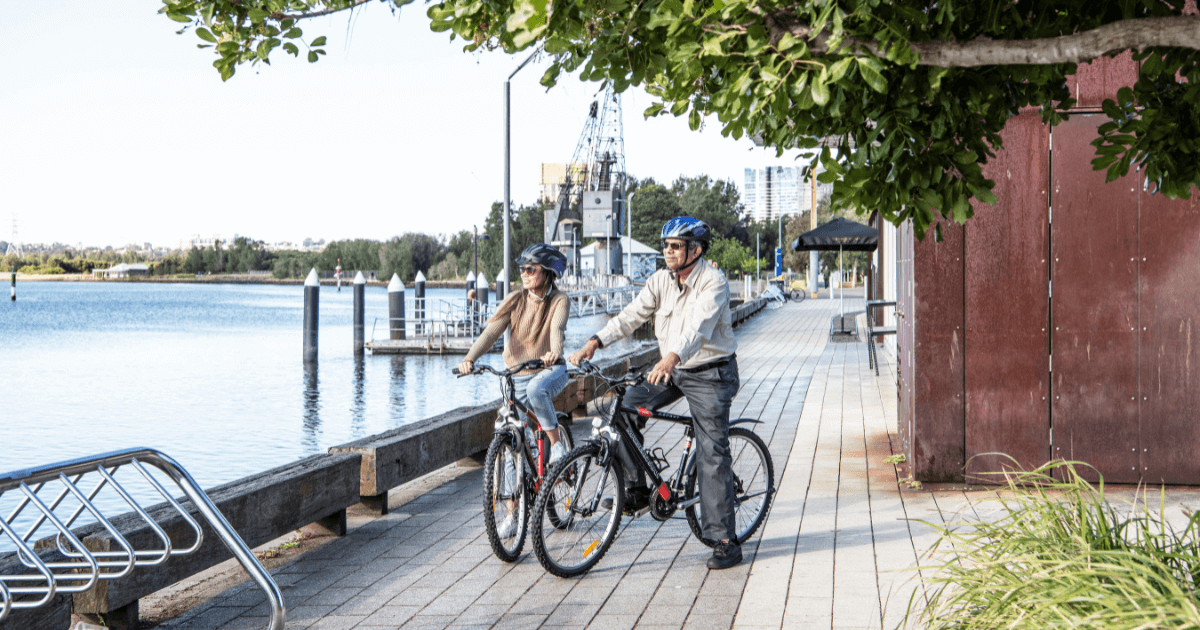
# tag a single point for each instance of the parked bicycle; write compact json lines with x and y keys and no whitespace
{"x":515,"y":464}
{"x":578,"y":509}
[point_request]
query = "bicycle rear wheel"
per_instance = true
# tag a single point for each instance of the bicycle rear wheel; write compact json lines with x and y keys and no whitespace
{"x":505,"y":499}
{"x":753,"y":484}
{"x":577,"y":512}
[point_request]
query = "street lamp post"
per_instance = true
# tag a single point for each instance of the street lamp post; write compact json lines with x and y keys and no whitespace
{"x":485,"y":237}
{"x":629,"y":232}
{"x":508,"y":171}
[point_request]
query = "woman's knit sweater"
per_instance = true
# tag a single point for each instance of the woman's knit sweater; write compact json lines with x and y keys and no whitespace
{"x":538,"y":326}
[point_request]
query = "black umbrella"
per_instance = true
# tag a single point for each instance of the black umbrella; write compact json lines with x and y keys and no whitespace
{"x":842,"y":235}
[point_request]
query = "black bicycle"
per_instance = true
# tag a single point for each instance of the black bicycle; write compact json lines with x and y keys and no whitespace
{"x":515,"y":465}
{"x":578,"y":509}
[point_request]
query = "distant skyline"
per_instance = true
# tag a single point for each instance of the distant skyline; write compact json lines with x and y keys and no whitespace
{"x":119,"y":131}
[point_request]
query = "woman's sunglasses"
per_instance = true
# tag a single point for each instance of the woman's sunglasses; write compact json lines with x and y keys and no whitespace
{"x":529,"y":270}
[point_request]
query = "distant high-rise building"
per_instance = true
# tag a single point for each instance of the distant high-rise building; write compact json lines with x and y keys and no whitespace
{"x":772,"y":191}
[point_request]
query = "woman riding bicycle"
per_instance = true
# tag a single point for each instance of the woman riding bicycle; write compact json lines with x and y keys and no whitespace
{"x":537,"y":318}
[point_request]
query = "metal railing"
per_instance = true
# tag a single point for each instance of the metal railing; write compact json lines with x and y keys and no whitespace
{"x":607,"y":300}
{"x":56,"y":498}
{"x":437,"y":318}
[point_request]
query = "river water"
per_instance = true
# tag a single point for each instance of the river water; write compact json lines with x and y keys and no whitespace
{"x":210,"y":374}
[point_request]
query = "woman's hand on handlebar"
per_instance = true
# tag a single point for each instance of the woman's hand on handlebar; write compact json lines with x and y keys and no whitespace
{"x":466,"y":367}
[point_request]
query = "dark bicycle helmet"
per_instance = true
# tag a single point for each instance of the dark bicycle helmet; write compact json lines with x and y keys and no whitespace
{"x":688,"y":229}
{"x":546,"y":257}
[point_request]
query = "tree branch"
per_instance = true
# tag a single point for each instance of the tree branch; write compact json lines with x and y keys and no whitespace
{"x":312,"y":14}
{"x":1136,"y":34}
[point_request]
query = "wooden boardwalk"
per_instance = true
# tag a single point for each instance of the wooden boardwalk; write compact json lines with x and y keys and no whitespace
{"x":836,"y":552}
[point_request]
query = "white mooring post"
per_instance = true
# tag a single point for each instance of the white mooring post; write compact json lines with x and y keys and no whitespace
{"x":312,"y":296}
{"x":396,"y":307}
{"x":360,"y":314}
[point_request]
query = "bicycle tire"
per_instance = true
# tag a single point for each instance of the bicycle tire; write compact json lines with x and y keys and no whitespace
{"x":498,"y":488}
{"x":585,"y":534}
{"x":754,"y":483}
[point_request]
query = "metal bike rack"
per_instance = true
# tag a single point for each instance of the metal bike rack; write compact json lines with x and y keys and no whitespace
{"x":57,"y":499}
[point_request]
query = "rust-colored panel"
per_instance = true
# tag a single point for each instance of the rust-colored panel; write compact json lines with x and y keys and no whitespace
{"x":1093,"y":82}
{"x":1170,"y":339}
{"x":1007,"y":307}
{"x":938,"y":396}
{"x":1094,"y":312}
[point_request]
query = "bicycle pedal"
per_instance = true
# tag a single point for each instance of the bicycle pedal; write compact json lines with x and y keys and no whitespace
{"x":642,"y":512}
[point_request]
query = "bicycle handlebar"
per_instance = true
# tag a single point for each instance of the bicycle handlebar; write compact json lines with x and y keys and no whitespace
{"x":533,"y":364}
{"x":632,"y":378}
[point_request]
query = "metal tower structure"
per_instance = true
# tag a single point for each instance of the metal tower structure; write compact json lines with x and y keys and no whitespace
{"x":591,"y":200}
{"x":14,"y":243}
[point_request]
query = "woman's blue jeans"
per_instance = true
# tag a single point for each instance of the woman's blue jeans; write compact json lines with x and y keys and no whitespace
{"x":537,"y":391}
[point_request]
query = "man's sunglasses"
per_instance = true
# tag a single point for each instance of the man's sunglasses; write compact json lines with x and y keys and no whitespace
{"x":674,"y":246}
{"x":529,"y":270}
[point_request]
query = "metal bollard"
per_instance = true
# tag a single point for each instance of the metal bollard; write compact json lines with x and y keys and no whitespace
{"x":360,"y":314}
{"x":481,"y":289}
{"x":312,"y":296}
{"x":396,"y":307}
{"x":501,"y":286}
{"x":14,"y":285}
{"x":470,"y":282}
{"x":419,"y":302}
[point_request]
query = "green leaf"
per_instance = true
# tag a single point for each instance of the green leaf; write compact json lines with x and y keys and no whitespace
{"x":291,"y":48}
{"x":786,"y":42}
{"x":179,"y":17}
{"x":312,"y":56}
{"x":820,"y":93}
{"x":257,"y":15}
{"x":872,"y":72}
{"x":838,"y":70}
{"x":206,"y":35}
{"x":293,"y":33}
{"x":320,"y":41}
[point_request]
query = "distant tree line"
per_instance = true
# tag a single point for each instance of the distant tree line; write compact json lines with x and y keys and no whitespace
{"x":742,"y":245}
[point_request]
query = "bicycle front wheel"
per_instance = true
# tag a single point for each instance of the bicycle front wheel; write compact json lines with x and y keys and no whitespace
{"x":505,"y":500}
{"x":753,"y":485}
{"x":577,"y":512}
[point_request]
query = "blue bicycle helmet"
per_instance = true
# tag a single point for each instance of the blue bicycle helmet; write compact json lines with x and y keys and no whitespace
{"x":688,"y":229}
{"x":545,"y":257}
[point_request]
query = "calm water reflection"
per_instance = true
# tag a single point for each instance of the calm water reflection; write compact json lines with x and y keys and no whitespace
{"x":210,"y":374}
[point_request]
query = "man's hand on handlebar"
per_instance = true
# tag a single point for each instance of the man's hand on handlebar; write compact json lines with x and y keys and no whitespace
{"x":661,"y":373}
{"x":585,"y":353}
{"x":550,"y":358}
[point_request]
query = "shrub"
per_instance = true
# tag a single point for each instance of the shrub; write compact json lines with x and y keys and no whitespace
{"x":1057,"y":554}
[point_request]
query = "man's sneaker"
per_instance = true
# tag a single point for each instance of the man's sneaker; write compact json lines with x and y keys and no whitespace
{"x":557,"y":451}
{"x":725,"y":555}
{"x":507,"y":528}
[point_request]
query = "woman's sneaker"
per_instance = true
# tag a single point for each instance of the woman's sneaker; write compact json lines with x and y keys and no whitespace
{"x":557,"y":451}
{"x":507,"y":528}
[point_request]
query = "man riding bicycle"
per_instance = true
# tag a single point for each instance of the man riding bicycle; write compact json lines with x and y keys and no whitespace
{"x":690,"y":305}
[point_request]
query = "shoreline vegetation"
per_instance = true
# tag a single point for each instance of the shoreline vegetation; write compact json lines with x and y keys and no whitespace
{"x":225,"y":278}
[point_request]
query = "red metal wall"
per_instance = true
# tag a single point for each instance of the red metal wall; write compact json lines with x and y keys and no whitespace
{"x":938,"y":440}
{"x":993,"y":355}
{"x":1007,"y":306}
{"x":1094,"y":307}
{"x":1169,"y":287}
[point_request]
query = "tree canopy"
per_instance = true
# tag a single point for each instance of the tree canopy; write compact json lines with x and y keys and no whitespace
{"x":904,"y":99}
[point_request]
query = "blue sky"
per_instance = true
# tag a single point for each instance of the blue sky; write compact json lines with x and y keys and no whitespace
{"x":117,"y":130}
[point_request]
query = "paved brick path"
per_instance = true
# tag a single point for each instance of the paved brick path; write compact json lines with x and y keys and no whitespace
{"x":833,"y":554}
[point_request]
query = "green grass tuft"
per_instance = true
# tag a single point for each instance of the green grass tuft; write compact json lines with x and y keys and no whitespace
{"x":1057,"y":554}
